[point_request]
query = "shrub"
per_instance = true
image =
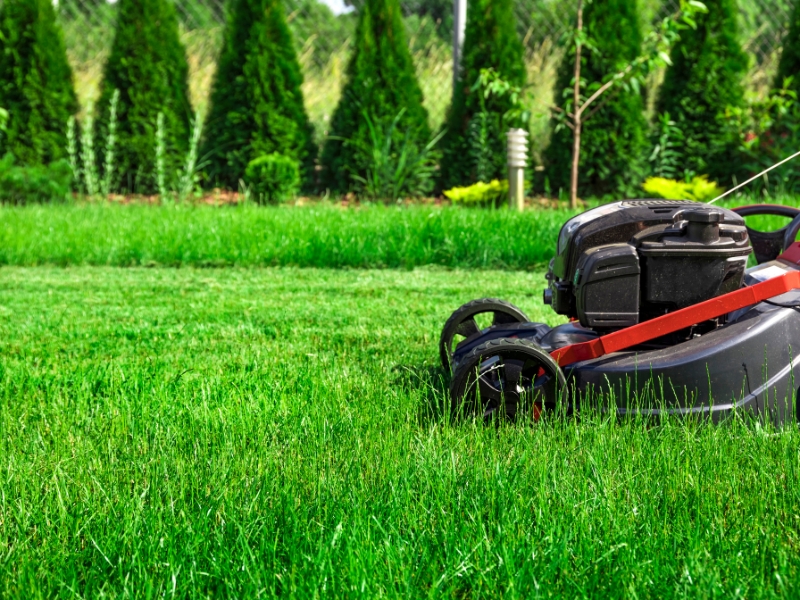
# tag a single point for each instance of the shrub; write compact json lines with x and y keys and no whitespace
{"x":491,"y":42}
{"x":35,"y":82}
{"x":699,"y":188}
{"x":148,"y":66}
{"x":493,"y":193}
{"x":273,"y":178}
{"x":770,"y":130}
{"x":614,"y":139}
{"x":665,"y":158}
{"x":256,"y":101}
{"x":789,"y":64}
{"x":24,"y":184}
{"x":381,"y":87}
{"x":700,"y":89}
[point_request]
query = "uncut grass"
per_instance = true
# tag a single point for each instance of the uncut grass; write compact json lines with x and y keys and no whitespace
{"x":321,"y":235}
{"x":274,"y":432}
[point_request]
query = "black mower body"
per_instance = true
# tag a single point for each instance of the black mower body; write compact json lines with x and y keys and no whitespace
{"x":607,"y":276}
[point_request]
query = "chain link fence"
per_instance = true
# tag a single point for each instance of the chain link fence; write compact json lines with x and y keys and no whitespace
{"x":323,"y":44}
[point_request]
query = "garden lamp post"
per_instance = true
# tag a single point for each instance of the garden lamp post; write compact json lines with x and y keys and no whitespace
{"x":517,"y":160}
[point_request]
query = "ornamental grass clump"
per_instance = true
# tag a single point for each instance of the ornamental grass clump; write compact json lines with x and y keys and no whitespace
{"x":256,"y":101}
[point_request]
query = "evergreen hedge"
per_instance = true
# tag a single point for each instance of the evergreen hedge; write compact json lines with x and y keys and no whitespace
{"x":491,"y":42}
{"x":148,"y":66}
{"x":703,"y":82}
{"x":35,"y":82}
{"x":381,"y":86}
{"x":614,"y":139}
{"x":789,"y":64}
{"x":256,"y":100}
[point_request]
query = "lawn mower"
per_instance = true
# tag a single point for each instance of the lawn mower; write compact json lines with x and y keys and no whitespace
{"x":664,"y":317}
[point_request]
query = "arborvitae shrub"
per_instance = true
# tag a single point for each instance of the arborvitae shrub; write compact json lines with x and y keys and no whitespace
{"x":704,"y":81}
{"x":789,"y":65}
{"x":614,"y":139}
{"x":148,"y":66}
{"x":491,"y":42}
{"x":381,"y":86}
{"x":35,"y":82}
{"x":256,"y":100}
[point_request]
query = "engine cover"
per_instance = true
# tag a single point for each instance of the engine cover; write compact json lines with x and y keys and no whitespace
{"x":630,"y":261}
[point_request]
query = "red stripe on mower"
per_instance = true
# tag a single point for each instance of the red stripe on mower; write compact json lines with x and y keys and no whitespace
{"x":686,"y":317}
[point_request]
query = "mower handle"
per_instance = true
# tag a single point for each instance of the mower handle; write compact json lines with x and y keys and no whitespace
{"x":767,"y":245}
{"x":778,"y":210}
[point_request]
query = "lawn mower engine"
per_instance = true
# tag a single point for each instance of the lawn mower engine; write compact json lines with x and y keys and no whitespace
{"x":664,"y":315}
{"x":628,"y":262}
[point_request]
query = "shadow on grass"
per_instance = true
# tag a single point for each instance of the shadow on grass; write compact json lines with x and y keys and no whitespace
{"x":429,"y":383}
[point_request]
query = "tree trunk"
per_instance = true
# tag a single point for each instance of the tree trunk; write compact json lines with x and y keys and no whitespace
{"x":576,"y":111}
{"x":576,"y":156}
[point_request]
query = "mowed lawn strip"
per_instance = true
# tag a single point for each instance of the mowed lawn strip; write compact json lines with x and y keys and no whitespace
{"x":321,"y":235}
{"x":276,"y":432}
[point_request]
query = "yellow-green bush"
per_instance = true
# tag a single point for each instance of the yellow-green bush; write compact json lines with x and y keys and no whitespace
{"x":479,"y":194}
{"x":699,"y":188}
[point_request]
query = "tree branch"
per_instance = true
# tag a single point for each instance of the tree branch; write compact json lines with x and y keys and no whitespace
{"x":598,"y":107}
{"x":605,"y":87}
{"x":561,"y":110}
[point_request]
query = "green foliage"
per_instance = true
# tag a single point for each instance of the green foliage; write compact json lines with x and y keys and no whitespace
{"x":769,"y":132}
{"x":477,"y":151}
{"x":789,"y":64}
{"x":314,"y":24}
{"x":273,"y":178}
{"x":614,"y":138}
{"x":148,"y":67}
{"x":381,"y":89}
{"x":24,"y":184}
{"x":702,"y":87}
{"x":35,"y":82}
{"x":666,"y":155}
{"x":395,"y":166}
{"x":256,"y":100}
{"x":699,"y":188}
{"x":493,"y":193}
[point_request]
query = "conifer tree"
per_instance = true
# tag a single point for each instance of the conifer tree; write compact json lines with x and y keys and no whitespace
{"x":35,"y":82}
{"x":256,"y":101}
{"x":148,"y":66}
{"x":704,"y":80}
{"x":614,"y":138}
{"x":789,"y":64}
{"x":491,"y":42}
{"x":381,"y":86}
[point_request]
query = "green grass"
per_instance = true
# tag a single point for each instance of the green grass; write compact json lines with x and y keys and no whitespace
{"x":322,"y":235}
{"x":274,"y":432}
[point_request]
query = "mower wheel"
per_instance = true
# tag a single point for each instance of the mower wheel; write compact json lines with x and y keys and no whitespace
{"x":462,"y":324}
{"x":506,"y":378}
